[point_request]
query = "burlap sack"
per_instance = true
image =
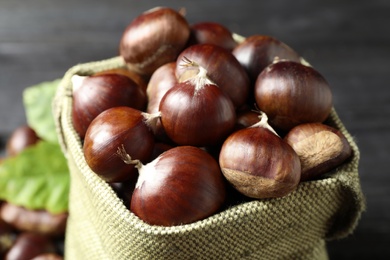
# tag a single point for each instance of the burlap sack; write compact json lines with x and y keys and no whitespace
{"x":293,"y":227}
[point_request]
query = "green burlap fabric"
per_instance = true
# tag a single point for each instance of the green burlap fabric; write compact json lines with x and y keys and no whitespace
{"x":294,"y":227}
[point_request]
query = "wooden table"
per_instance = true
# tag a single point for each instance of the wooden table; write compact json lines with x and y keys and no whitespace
{"x":347,"y":41}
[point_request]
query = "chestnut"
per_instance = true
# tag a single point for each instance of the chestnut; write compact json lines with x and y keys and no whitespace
{"x":258,"y":163}
{"x":256,"y":52}
{"x":141,"y":81}
{"x":181,"y":186}
{"x":321,"y":148}
{"x":154,"y":38}
{"x":197,"y":112}
{"x":39,"y":221}
{"x":29,"y":245}
{"x":291,"y":93}
{"x":94,"y":94}
{"x":246,"y":118}
{"x":124,"y":190}
{"x":163,"y":79}
{"x":113,"y":133}
{"x":222,"y":68}
{"x":212,"y":33}
{"x":21,"y":138}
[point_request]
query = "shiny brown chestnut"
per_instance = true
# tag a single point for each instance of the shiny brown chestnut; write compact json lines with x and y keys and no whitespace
{"x":197,"y":112}
{"x":141,"y":81}
{"x":181,"y":186}
{"x":21,"y":138}
{"x":291,"y":93}
{"x":163,"y":79}
{"x":258,"y":163}
{"x":95,"y":94}
{"x":113,"y":134}
{"x":222,"y":68}
{"x":212,"y":33}
{"x":321,"y":148}
{"x":154,"y":38}
{"x":256,"y":52}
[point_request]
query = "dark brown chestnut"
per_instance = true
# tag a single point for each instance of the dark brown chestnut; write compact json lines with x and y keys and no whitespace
{"x":94,"y":94}
{"x":112,"y":134}
{"x":21,"y":138}
{"x":159,"y":148}
{"x":321,"y":148}
{"x":291,"y":93}
{"x":197,"y":112}
{"x":212,"y":33}
{"x":256,"y":52}
{"x":246,"y":119}
{"x":154,"y":38}
{"x":181,"y":186}
{"x":29,"y":245}
{"x":222,"y":68}
{"x":258,"y":163}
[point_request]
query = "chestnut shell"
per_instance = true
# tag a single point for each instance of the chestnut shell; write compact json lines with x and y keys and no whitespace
{"x":320,"y":147}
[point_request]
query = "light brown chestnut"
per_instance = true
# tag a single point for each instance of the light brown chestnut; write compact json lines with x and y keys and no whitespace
{"x":321,"y":148}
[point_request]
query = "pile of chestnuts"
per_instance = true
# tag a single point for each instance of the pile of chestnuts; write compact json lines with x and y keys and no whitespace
{"x":202,"y":118}
{"x":27,"y":233}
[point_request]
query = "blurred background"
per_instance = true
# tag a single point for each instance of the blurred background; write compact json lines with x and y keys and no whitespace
{"x":348,"y":42}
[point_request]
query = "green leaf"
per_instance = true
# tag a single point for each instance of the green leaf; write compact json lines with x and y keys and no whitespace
{"x":37,"y":178}
{"x":37,"y":101}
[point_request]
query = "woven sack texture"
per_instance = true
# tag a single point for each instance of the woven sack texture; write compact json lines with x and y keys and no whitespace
{"x":296,"y":226}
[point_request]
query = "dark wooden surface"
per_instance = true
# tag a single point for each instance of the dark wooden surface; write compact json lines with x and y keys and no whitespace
{"x":347,"y":41}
